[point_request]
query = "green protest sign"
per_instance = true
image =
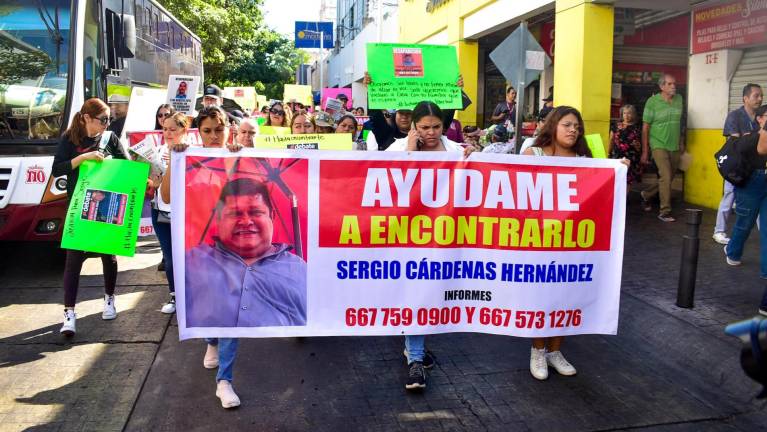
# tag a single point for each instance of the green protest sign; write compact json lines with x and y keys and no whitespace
{"x":105,"y":210}
{"x":595,"y":145}
{"x":404,"y":74}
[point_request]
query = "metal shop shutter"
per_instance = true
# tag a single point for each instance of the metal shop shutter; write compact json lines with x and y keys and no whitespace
{"x":752,"y":69}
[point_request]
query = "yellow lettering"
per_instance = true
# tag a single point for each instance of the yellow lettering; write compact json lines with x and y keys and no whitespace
{"x":586,"y":233}
{"x":350,"y":230}
{"x":531,"y":234}
{"x":444,"y":230}
{"x":467,"y":230}
{"x":488,"y":226}
{"x":376,"y":229}
{"x":508,"y":234}
{"x":397,"y":232}
{"x":552,"y":233}
{"x":568,"y":235}
{"x":418,"y":224}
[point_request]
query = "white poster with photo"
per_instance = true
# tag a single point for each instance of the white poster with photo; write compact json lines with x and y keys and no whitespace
{"x":340,"y":243}
{"x":182,"y":92}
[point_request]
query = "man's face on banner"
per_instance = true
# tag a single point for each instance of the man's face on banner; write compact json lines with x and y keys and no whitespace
{"x":245,"y":225}
{"x":181,"y":88}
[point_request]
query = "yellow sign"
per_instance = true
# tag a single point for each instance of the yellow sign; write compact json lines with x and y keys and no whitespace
{"x":261,"y":101}
{"x":273,"y":130}
{"x":306,"y":142}
{"x":298,"y":93}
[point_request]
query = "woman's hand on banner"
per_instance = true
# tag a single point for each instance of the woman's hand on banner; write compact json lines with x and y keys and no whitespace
{"x":366,"y":80}
{"x":626,"y":162}
{"x":180,"y":147}
{"x":234,"y":147}
{"x":459,"y":83}
{"x":467,"y":151}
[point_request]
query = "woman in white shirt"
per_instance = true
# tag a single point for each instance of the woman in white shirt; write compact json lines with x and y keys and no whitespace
{"x":425,"y":135}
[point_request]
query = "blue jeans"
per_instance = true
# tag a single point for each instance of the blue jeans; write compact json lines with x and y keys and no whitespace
{"x":162,"y":230}
{"x":227,"y":352}
{"x":725,"y":207}
{"x":750,"y":204}
{"x":415,"y":348}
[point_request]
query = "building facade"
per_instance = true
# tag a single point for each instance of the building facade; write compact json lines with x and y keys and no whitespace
{"x":609,"y":53}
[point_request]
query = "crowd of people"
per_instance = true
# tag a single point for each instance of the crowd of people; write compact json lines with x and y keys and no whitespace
{"x":559,"y":132}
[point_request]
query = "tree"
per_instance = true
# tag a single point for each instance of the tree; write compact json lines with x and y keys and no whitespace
{"x":237,"y":48}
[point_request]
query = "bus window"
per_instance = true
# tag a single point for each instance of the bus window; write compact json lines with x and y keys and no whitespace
{"x":35,"y":36}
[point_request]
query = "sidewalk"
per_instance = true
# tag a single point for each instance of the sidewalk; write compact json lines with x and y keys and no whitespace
{"x":668,"y":369}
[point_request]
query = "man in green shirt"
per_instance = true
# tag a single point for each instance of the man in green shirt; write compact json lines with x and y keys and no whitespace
{"x":662,"y":132}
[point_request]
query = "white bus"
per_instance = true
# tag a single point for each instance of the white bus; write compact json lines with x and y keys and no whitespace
{"x":55,"y":54}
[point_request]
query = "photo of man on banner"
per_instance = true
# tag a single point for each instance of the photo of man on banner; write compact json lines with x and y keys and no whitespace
{"x":243,"y":268}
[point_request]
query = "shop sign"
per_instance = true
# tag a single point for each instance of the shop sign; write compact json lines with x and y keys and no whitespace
{"x":729,"y":25}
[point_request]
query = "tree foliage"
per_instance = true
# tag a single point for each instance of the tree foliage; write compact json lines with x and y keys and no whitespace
{"x":237,"y":48}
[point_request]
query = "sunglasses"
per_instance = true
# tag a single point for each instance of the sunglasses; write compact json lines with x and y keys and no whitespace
{"x":277,"y":112}
{"x":163,"y":115}
{"x":103,"y":120}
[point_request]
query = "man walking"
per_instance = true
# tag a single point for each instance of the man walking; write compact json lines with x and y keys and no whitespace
{"x":740,"y":122}
{"x":663,"y":133}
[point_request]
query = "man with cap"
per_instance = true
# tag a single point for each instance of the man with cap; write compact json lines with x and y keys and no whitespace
{"x":324,"y":122}
{"x":499,"y":141}
{"x":213,"y":96}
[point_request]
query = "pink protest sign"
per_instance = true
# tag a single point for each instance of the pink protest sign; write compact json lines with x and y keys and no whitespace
{"x":334,"y":92}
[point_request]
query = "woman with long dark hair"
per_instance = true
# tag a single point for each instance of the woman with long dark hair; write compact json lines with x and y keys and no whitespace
{"x":86,"y":140}
{"x":562,"y":134}
{"x":163,"y":111}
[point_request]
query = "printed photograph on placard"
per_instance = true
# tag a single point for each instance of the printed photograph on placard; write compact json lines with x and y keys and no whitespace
{"x":245,"y":256}
{"x":104,"y":206}
{"x":408,"y":62}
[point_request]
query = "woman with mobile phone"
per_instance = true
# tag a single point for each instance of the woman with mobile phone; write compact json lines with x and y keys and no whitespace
{"x":426,"y":134}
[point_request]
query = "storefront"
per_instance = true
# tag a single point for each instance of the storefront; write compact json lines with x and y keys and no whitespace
{"x":728,"y":51}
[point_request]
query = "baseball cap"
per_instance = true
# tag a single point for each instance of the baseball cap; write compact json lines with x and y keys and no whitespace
{"x":548,"y":98}
{"x":213,"y":90}
{"x":500,"y":132}
{"x":544,"y":112}
{"x":342,"y":96}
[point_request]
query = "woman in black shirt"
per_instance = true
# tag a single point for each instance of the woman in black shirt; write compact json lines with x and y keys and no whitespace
{"x":86,"y":139}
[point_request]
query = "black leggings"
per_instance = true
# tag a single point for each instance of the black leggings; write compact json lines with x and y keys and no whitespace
{"x":72,"y":269}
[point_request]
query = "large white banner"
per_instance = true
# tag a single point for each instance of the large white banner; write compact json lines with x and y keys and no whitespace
{"x":320,"y":243}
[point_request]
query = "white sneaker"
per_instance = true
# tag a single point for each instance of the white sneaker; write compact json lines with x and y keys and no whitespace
{"x":556,"y":360}
{"x":68,"y":329}
{"x":538,"y":366}
{"x":110,"y":312}
{"x":170,"y":307}
{"x":730,"y":261}
{"x":225,"y":392}
{"x":721,"y":238}
{"x":210,"y":361}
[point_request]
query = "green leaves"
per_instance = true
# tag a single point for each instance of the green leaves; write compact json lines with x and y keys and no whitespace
{"x":238,"y":49}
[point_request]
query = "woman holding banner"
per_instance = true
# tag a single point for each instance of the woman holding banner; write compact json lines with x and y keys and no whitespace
{"x":174,"y":131}
{"x":220,"y":352}
{"x":562,"y":135}
{"x":86,"y":140}
{"x":425,"y":135}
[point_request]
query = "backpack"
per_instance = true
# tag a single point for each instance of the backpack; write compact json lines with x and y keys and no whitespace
{"x":731,"y":164}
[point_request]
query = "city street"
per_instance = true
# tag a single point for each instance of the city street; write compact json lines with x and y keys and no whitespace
{"x":667,"y":369}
